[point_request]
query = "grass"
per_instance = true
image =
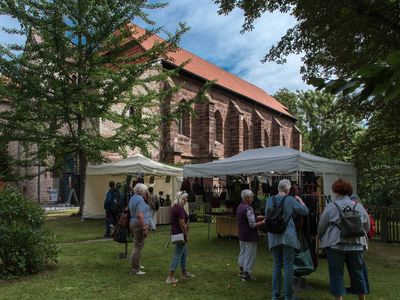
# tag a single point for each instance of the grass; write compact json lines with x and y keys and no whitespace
{"x":91,"y":270}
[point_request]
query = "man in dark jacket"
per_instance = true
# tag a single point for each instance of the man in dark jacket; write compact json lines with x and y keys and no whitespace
{"x":109,"y":206}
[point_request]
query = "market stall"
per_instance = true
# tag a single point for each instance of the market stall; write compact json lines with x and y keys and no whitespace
{"x":162,"y":177}
{"x":265,"y":167}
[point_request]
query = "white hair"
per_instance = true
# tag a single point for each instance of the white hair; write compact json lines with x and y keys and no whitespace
{"x":284,"y":185}
{"x":246,"y":193}
{"x":180,"y":196}
{"x":140,"y":189}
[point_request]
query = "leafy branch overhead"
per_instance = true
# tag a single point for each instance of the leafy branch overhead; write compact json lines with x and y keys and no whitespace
{"x":84,"y":68}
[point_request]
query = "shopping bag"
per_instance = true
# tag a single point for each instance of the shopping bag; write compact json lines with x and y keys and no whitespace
{"x":303,"y":263}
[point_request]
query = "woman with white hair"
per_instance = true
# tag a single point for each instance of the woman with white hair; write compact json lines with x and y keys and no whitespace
{"x":283,"y":245}
{"x":179,"y":224}
{"x":139,"y":225}
{"x":248,"y":235}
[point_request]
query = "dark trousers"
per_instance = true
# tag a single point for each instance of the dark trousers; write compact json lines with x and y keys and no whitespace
{"x":108,"y":221}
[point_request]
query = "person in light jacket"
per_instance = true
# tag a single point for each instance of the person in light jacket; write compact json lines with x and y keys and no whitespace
{"x":283,"y":245}
{"x":139,"y":225}
{"x":341,"y":250}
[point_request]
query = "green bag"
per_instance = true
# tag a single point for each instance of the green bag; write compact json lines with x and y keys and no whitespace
{"x":303,"y":263}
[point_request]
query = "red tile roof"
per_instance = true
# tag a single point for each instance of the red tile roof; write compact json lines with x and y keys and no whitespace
{"x":209,"y":71}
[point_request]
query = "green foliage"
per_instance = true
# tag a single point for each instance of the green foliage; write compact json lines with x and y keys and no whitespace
{"x":6,"y":171}
{"x":25,"y":246}
{"x":335,"y":37}
{"x":326,"y":131}
{"x":77,"y":70}
{"x":357,"y":43}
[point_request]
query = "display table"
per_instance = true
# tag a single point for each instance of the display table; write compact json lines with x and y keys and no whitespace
{"x":163,"y":215}
{"x":226,"y":225}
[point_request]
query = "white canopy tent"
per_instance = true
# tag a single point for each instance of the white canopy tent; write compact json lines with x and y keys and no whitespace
{"x":276,"y":159}
{"x":97,"y":178}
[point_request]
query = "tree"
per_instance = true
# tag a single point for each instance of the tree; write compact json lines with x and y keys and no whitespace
{"x":336,"y":36}
{"x":326,"y":131}
{"x":357,"y":44}
{"x":74,"y":72}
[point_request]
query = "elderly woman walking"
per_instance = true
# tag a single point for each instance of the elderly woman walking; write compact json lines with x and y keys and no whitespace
{"x":283,"y":245}
{"x":139,"y":225}
{"x":248,"y":235}
{"x":342,"y":250}
{"x":179,"y":224}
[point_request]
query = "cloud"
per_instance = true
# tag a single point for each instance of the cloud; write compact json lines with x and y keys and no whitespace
{"x":217,"y":38}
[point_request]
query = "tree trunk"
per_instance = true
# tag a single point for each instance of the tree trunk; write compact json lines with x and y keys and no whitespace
{"x":82,"y":179}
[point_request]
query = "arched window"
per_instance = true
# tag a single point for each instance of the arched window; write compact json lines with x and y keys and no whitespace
{"x":218,"y":127}
{"x":246,"y":143}
{"x":266,"y":139}
{"x":184,"y":124}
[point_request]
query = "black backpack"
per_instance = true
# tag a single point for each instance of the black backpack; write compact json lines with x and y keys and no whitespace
{"x":274,"y":219}
{"x":350,"y":223}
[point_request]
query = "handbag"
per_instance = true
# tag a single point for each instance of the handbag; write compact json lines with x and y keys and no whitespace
{"x":177,"y":238}
{"x":303,"y":263}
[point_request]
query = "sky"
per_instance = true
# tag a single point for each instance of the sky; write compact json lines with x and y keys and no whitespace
{"x":217,"y":39}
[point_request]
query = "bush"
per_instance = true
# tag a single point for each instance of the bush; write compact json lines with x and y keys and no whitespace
{"x":25,"y":246}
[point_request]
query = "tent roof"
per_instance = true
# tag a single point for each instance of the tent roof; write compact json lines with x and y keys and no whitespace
{"x":133,"y":165}
{"x":271,"y":159}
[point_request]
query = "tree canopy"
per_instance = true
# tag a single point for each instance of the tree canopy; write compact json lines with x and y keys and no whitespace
{"x":352,"y":48}
{"x":75,"y":72}
{"x":326,"y":131}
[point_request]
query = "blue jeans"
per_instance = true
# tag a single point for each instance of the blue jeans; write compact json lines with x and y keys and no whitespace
{"x":354,"y":263}
{"x":282,"y":256}
{"x":179,"y":257}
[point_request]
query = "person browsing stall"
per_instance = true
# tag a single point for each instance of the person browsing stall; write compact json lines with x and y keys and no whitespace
{"x":109,"y":207}
{"x":248,"y":235}
{"x":283,"y":245}
{"x":342,"y":249}
{"x":179,"y":224}
{"x":139,"y":225}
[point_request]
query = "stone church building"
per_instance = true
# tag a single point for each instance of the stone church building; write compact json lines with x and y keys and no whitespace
{"x":236,"y":116}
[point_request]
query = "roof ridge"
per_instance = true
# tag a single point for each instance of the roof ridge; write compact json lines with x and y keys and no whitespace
{"x":227,"y":80}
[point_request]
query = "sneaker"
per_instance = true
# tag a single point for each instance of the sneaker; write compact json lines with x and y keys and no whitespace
{"x":248,"y":277}
{"x":240,"y":274}
{"x":187,"y":275}
{"x":107,"y":236}
{"x":171,"y":280}
{"x":136,"y":272}
{"x":141,"y":267}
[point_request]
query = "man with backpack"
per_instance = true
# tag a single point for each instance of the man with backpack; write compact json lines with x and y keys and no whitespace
{"x":280,"y":212}
{"x":342,"y":230}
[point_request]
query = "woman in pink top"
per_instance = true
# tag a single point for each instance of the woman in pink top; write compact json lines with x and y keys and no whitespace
{"x":179,"y":224}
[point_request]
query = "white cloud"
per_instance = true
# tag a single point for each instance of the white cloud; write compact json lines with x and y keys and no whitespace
{"x":217,"y":38}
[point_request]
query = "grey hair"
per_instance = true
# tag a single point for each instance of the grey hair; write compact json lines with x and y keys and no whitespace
{"x":246,"y":193}
{"x":284,"y":185}
{"x":140,"y":189}
{"x":179,"y":198}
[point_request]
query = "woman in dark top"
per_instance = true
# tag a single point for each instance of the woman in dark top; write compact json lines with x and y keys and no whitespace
{"x":179,"y":224}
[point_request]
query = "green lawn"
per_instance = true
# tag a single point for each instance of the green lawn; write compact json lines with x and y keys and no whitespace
{"x":92,"y":270}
